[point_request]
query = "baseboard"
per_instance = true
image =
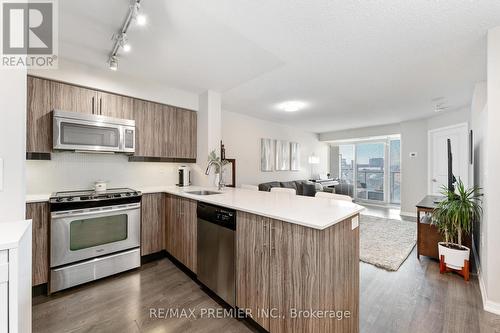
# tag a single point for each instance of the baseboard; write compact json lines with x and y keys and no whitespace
{"x":409,"y":214}
{"x":488,"y":305}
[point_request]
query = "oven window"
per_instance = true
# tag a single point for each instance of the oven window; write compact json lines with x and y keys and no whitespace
{"x":87,"y":135}
{"x":97,"y":231}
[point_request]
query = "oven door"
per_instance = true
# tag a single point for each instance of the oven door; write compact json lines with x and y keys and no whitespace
{"x":88,"y":233}
{"x":79,"y":134}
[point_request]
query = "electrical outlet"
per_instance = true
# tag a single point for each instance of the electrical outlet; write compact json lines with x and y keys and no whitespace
{"x":355,"y":222}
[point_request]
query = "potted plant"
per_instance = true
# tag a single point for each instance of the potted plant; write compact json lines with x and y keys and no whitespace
{"x":454,"y":217}
{"x":212,"y":157}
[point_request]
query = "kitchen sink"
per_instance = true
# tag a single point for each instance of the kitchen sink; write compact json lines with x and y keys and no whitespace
{"x":203,"y":192}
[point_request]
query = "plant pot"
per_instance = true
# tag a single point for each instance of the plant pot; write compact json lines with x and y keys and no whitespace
{"x":454,"y":254}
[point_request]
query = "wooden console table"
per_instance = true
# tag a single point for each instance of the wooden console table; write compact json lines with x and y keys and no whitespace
{"x":427,"y":234}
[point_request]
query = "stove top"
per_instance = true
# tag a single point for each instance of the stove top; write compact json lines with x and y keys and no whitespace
{"x":92,"y":196}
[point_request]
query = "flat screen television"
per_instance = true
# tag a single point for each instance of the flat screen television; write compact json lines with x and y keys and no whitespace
{"x":451,"y":177}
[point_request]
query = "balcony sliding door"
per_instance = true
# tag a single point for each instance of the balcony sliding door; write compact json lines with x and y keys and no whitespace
{"x":370,"y":162}
{"x":371,"y":171}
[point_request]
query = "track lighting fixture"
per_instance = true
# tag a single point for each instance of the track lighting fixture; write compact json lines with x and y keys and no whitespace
{"x":120,"y":38}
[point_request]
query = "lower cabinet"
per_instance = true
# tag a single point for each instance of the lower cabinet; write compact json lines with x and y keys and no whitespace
{"x":40,"y":214}
{"x":181,"y":230}
{"x":152,"y":223}
{"x":284,"y":268}
{"x":252,"y":266}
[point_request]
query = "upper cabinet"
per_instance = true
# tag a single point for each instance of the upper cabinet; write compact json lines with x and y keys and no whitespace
{"x":72,"y":98}
{"x":115,"y":106}
{"x":38,"y":116}
{"x":163,"y":132}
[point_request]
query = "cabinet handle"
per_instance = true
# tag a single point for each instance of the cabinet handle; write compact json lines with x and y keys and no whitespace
{"x":264,"y":246}
{"x":93,"y":104}
{"x":273,"y":247}
{"x":100,"y":106}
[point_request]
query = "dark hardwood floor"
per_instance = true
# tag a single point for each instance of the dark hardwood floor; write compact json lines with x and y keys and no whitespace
{"x":416,"y":298}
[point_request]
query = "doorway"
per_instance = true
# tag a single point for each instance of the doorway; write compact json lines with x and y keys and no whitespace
{"x":438,"y":156}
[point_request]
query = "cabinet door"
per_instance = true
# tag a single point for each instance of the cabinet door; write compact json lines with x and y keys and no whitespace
{"x":186,"y":122}
{"x":72,"y":98}
{"x":252,"y":266}
{"x":152,"y":223}
{"x":171,"y":207}
{"x":294,"y":279}
{"x":169,"y":132}
{"x":115,"y":106}
{"x":39,"y":213}
{"x":148,"y":125}
{"x":188,"y":233}
{"x":38,"y":116}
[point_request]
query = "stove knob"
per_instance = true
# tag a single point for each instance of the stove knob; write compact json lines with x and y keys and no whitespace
{"x":58,"y":199}
{"x":69,"y":199}
{"x":127,"y":194}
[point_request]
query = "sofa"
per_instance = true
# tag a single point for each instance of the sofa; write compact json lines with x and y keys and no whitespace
{"x":302,"y":187}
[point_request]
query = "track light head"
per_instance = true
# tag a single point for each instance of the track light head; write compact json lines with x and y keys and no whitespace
{"x":113,"y":63}
{"x":141,"y":19}
{"x":124,"y":42}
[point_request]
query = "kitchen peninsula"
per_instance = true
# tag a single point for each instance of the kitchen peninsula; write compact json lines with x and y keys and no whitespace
{"x":296,"y":258}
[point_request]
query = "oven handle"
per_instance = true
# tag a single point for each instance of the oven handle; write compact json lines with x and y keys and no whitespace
{"x":93,"y":211}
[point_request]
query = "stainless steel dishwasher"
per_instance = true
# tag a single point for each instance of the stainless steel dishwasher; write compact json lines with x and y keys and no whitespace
{"x":216,"y":250}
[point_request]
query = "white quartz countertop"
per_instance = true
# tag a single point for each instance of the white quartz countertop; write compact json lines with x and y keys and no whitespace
{"x":11,"y":233}
{"x":317,"y":213}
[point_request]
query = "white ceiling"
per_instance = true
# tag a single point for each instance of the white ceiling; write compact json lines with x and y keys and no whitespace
{"x":354,"y":62}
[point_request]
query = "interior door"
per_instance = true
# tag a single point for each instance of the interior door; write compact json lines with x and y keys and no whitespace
{"x":438,"y":156}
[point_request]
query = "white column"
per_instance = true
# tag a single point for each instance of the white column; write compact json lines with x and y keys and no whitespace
{"x":209,"y":134}
{"x":12,"y":144}
{"x":490,"y":261}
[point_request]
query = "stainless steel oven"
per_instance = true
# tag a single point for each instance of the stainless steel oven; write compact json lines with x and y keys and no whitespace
{"x":86,"y":233}
{"x":93,"y":235}
{"x":86,"y":132}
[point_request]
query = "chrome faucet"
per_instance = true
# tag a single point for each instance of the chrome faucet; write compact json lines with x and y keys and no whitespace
{"x":221,"y":184}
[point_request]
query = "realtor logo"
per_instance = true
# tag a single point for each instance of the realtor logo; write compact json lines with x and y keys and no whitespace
{"x":29,"y":34}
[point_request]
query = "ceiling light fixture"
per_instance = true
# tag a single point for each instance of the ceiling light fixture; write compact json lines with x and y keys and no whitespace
{"x":120,"y":38}
{"x":113,"y":63}
{"x":141,"y":19}
{"x":292,"y":106}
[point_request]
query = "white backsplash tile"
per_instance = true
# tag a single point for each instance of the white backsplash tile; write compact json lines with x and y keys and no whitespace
{"x":72,"y":171}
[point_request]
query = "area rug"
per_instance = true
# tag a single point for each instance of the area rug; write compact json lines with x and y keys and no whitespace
{"x":386,"y":243}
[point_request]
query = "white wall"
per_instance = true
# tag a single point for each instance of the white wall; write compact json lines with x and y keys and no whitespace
{"x":413,"y":139}
{"x":242,"y":134}
{"x":13,"y":143}
{"x":490,"y":262}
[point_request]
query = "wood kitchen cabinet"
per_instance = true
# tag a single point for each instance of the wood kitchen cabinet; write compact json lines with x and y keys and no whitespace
{"x":252,"y":265}
{"x":39,"y":213}
{"x":186,"y":124}
{"x":116,"y":106}
{"x":67,"y":97}
{"x":38,"y":116}
{"x":180,"y":231}
{"x":152,"y":223}
{"x":148,"y":128}
{"x":163,"y":132}
{"x":282,"y":267}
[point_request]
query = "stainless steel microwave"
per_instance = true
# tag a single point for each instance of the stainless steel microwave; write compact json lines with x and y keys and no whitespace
{"x":93,"y":133}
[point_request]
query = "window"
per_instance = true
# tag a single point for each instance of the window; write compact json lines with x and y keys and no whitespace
{"x":371,"y":170}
